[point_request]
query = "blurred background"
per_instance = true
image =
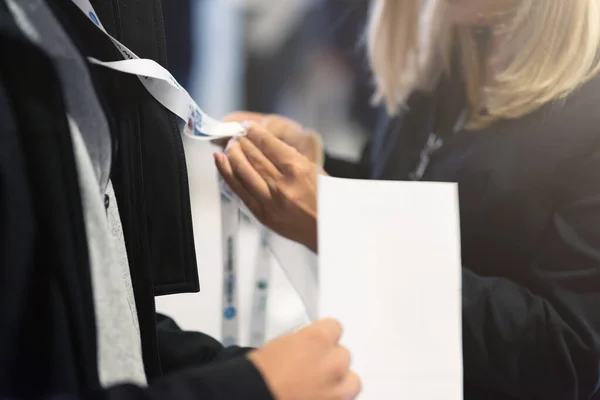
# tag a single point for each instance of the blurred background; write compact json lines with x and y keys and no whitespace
{"x":303,"y":59}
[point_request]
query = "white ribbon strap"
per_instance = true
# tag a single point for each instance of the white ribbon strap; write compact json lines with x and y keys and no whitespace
{"x":163,"y":87}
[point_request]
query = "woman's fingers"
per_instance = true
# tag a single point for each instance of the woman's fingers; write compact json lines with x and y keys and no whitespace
{"x":240,"y":116}
{"x":279,"y":153}
{"x":226,"y":171}
{"x":351,"y":387}
{"x":275,"y":181}
{"x":246,"y":175}
{"x":260,"y":163}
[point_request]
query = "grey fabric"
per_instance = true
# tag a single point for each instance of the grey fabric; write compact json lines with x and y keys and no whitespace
{"x":117,"y":329}
{"x":116,"y":231}
{"x":119,"y":344}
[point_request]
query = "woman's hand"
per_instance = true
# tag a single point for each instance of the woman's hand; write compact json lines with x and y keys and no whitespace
{"x":275,"y":181}
{"x":307,"y":142}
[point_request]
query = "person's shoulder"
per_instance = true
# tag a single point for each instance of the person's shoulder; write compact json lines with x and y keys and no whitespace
{"x":571,"y":123}
{"x":583,"y":102}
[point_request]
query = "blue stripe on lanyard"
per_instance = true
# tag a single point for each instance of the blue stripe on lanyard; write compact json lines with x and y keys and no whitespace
{"x":229,"y":222}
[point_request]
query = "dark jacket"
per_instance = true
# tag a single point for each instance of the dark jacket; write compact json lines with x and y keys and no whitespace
{"x":47,"y":346}
{"x":530,"y":226}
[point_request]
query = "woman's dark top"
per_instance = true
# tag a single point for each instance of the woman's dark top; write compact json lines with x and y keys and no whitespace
{"x":530,"y":221}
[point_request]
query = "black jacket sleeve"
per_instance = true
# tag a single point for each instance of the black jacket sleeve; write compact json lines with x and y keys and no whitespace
{"x":47,"y":349}
{"x":180,"y":349}
{"x":341,"y":168}
{"x":233,"y":379}
{"x":542,"y":341}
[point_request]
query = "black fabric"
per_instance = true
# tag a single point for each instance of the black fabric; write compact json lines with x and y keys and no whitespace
{"x":139,"y":25}
{"x":48,"y":347}
{"x":184,"y":349}
{"x":149,"y":173}
{"x":156,"y":217}
{"x":530,"y":210}
{"x":341,"y":168}
{"x":45,"y":285}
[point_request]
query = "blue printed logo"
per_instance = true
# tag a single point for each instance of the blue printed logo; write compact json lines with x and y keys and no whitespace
{"x":262,"y":285}
{"x":228,"y":341}
{"x":230,"y":313}
{"x":94,"y":18}
{"x":193,"y":127}
{"x":230,"y":286}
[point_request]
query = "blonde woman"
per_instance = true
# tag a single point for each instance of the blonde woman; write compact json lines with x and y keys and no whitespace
{"x":503,"y":97}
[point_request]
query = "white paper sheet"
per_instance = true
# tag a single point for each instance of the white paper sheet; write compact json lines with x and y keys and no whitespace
{"x":389,"y":270}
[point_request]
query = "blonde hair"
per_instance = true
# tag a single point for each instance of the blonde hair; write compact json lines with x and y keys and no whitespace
{"x":548,"y":49}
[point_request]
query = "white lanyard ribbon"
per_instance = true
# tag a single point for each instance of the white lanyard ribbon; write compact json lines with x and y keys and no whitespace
{"x":298,"y":263}
{"x":230,"y":224}
{"x":163,"y":87}
{"x":230,"y":327}
{"x":166,"y":90}
{"x":262,"y":277}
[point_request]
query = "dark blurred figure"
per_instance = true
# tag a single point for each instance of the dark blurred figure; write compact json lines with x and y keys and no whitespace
{"x":330,"y":26}
{"x":269,"y":70}
{"x":343,"y":24}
